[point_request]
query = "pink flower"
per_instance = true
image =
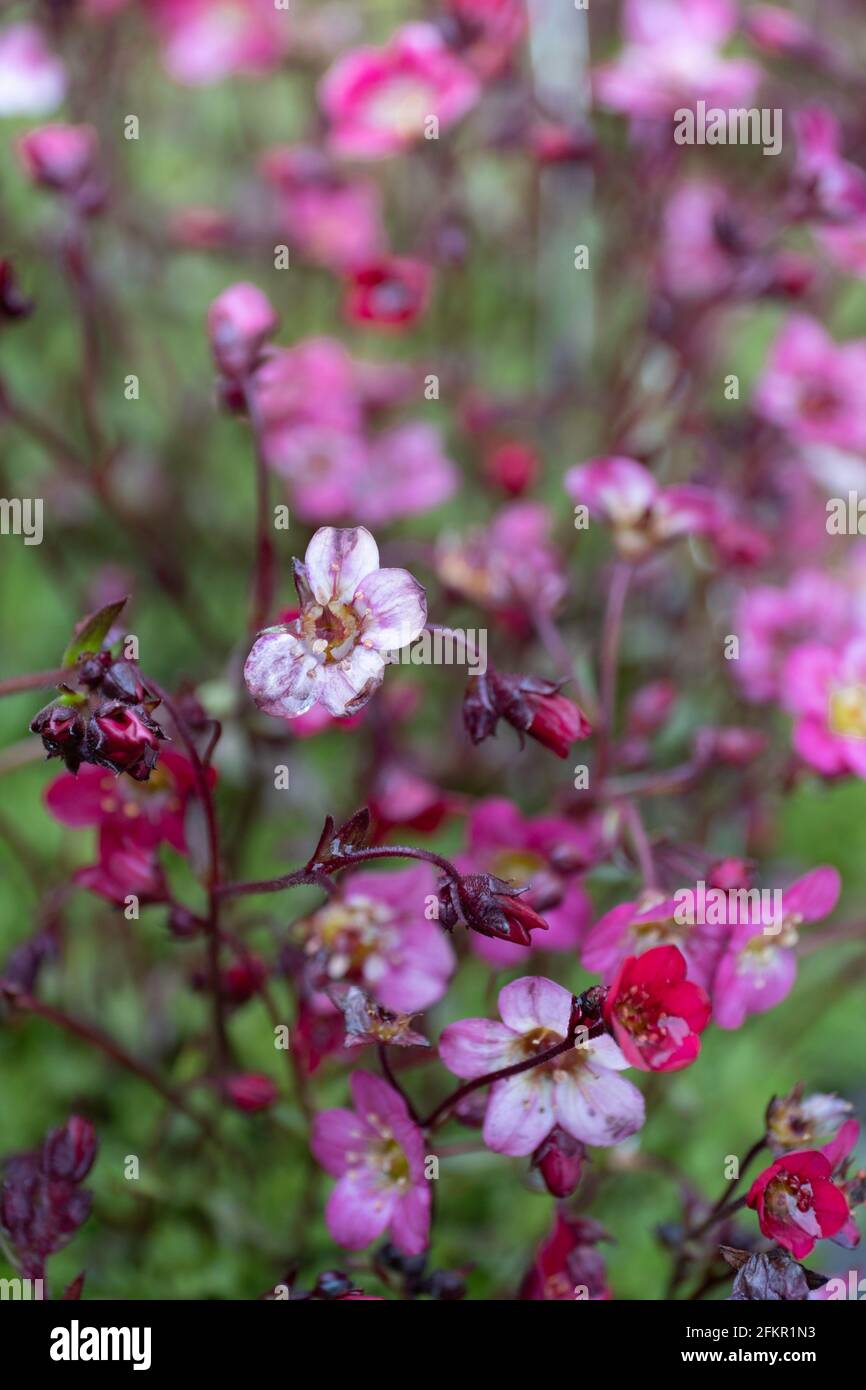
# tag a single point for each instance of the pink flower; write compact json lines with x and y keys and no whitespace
{"x":567,"y":1261}
{"x":377,"y":1154}
{"x":759,"y":965}
{"x":390,"y":292}
{"x":250,"y":1092}
{"x":510,"y":567}
{"x":672,"y":58}
{"x":353,"y":614}
{"x":655,"y":1013}
{"x":653,"y":920}
{"x":812,"y":387}
{"x":771,"y":621}
{"x":205,"y":41}
{"x":125,"y":867}
{"x":239,"y":322}
{"x":643,"y":514}
{"x":824,"y":688}
{"x":376,"y":934}
{"x":32,"y":81}
{"x":696,"y":261}
{"x":543,"y":852}
{"x":148,"y":813}
{"x":579,"y":1090}
{"x":59,"y":157}
{"x":379,"y":100}
{"x":407,"y":472}
{"x":334,"y":221}
{"x":797,"y":1201}
{"x":834,"y":188}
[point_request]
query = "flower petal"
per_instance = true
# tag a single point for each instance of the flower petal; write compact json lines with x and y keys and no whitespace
{"x":519,"y":1114}
{"x":533,"y":1002}
{"x":337,"y":559}
{"x":598,"y":1107}
{"x":395,"y":607}
{"x":337,"y":1133}
{"x":476,"y":1046}
{"x":358,"y":1211}
{"x":282,"y":677}
{"x":346,"y":686}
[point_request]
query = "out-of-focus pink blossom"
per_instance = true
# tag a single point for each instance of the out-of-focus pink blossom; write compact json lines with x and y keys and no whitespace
{"x":759,"y":965}
{"x":771,"y":621}
{"x":239,"y":322}
{"x":580,"y":1090}
{"x":672,"y":57}
{"x":376,"y":934}
{"x":32,"y":80}
{"x":811,"y":386}
{"x":834,"y":187}
{"x":59,"y":157}
{"x":643,"y":514}
{"x":510,"y":567}
{"x":377,"y":1154}
{"x":205,"y":41}
{"x":379,"y":101}
{"x":544,"y":852}
{"x":824,"y":688}
{"x":333,"y":220}
{"x":391,"y":292}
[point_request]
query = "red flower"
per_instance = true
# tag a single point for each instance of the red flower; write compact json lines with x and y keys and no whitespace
{"x":556,"y":721}
{"x":529,"y":704}
{"x":390,"y":293}
{"x":797,"y":1202}
{"x":125,"y":868}
{"x":654,"y":1012}
{"x":567,"y":1264}
{"x":146,"y":813}
{"x":251,"y":1092}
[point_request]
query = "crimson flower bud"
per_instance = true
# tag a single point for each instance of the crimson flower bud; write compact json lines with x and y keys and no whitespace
{"x":242,"y":979}
{"x":239,"y":322}
{"x":60,"y":157}
{"x":559,"y":1159}
{"x":126,"y":740}
{"x":250,"y":1092}
{"x":512,"y":466}
{"x":734,"y":746}
{"x":528,"y":704}
{"x":391,"y":293}
{"x":650,"y":706}
{"x":62,"y":729}
{"x":69,"y":1152}
{"x":489,"y":906}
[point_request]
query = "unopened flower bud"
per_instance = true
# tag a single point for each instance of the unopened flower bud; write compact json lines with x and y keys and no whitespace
{"x":69,"y":1152}
{"x":59,"y":157}
{"x":250,"y":1092}
{"x":126,"y":740}
{"x":239,"y":322}
{"x":559,"y":1159}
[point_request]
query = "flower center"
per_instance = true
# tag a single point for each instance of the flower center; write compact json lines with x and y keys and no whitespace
{"x":788,"y":1193}
{"x":330,"y":632}
{"x":401,"y":106}
{"x":848,"y":711}
{"x":351,"y":932}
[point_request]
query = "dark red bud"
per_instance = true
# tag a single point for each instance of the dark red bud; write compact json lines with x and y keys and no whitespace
{"x":559,"y":1160}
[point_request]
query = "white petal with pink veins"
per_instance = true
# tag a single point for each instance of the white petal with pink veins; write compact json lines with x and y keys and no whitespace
{"x":395,"y":607}
{"x":533,"y":1002}
{"x":347,"y":685}
{"x":519,"y":1113}
{"x":337,"y":559}
{"x":281,"y":675}
{"x":600,"y":1108}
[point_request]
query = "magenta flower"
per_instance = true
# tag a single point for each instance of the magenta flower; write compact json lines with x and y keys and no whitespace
{"x":148,"y":813}
{"x":798,"y":1200}
{"x":824,"y":688}
{"x":655,"y":1013}
{"x":205,"y":42}
{"x":377,"y":1154}
{"x":812,"y":387}
{"x":379,"y":100}
{"x":32,"y":81}
{"x":834,"y":188}
{"x":391,"y":292}
{"x":672,"y":58}
{"x":59,"y":157}
{"x":771,"y":621}
{"x":643,"y":514}
{"x":376,"y":934}
{"x":632,"y":928}
{"x":125,"y":867}
{"x":759,"y":964}
{"x":333,"y":220}
{"x":510,"y":568}
{"x":578,"y":1090}
{"x":353,"y":614}
{"x":545,"y":853}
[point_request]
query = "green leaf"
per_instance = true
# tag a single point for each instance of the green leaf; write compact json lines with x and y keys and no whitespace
{"x":91,"y":632}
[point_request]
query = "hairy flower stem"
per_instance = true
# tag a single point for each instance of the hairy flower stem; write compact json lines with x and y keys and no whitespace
{"x":37,"y":680}
{"x":263,"y":566}
{"x":609,"y":661}
{"x":311,"y":874}
{"x":212,"y":927}
{"x":567,"y":1045}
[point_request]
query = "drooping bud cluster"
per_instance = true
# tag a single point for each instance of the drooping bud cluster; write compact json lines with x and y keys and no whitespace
{"x":42,"y":1204}
{"x":530,"y":705}
{"x":106,"y":721}
{"x":490,"y":906}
